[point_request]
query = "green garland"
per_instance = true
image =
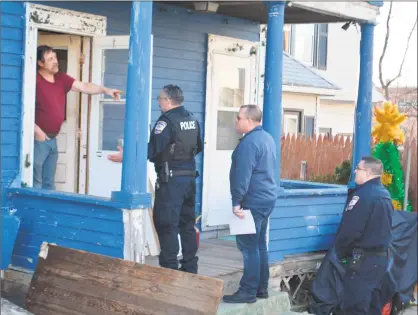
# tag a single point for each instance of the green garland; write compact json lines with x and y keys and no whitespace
{"x":388,"y":153}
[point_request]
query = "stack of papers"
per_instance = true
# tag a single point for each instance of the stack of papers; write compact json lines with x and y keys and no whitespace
{"x":238,"y":226}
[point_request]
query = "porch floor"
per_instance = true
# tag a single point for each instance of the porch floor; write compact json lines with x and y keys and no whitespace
{"x":217,"y":258}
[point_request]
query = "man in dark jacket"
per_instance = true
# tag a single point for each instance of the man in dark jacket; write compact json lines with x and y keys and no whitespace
{"x":253,"y":187}
{"x":363,"y":239}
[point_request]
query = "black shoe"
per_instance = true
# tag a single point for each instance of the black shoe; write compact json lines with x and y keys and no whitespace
{"x":262,"y":294}
{"x":239,"y":297}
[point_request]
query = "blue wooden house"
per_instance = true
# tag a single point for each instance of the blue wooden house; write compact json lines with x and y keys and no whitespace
{"x":213,"y":51}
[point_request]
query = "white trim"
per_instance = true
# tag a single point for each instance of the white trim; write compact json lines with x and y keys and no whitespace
{"x":134,"y":235}
{"x":66,"y":21}
{"x":28,"y":108}
{"x":40,"y":17}
{"x":84,"y":125}
{"x":356,"y":10}
{"x":309,"y":90}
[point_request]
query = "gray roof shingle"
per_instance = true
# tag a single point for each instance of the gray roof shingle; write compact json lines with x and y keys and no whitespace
{"x":295,"y":73}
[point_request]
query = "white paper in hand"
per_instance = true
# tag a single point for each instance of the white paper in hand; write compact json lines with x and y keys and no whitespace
{"x":239,"y":226}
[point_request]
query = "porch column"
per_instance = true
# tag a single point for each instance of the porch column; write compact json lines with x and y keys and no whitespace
{"x":363,"y":113}
{"x":273,"y":77}
{"x":134,"y":167}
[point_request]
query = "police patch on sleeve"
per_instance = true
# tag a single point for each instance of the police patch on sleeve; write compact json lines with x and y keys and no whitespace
{"x":352,"y":203}
{"x":159,"y":127}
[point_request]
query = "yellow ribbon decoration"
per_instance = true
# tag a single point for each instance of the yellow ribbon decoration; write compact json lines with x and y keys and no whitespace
{"x":396,"y":205}
{"x":386,"y":179}
{"x":389,"y":120}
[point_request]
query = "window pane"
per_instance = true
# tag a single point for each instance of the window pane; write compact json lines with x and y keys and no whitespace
{"x":304,"y":42}
{"x":227,"y":138}
{"x":232,"y":87}
{"x":116,"y":69}
{"x":112,"y":118}
{"x":309,"y":126}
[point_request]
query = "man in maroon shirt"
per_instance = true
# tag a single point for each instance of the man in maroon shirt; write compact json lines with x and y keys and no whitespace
{"x":52,"y":87}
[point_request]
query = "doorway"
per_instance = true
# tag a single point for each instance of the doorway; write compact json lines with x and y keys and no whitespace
{"x":70,"y":34}
{"x":231,"y":82}
{"x":68,"y":50}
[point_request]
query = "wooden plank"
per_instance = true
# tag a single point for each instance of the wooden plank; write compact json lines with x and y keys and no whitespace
{"x":68,"y":281}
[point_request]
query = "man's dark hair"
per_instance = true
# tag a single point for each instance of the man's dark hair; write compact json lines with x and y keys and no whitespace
{"x":373,"y":164}
{"x":253,"y":112}
{"x":174,"y":93}
{"x":42,"y":50}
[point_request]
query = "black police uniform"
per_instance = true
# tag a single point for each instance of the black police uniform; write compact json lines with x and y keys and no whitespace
{"x":362,"y":243}
{"x":174,"y":142}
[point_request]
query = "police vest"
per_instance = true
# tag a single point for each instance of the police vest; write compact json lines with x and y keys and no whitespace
{"x":185,"y":135}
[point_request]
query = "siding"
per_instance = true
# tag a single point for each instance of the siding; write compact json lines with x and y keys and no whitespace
{"x":66,"y":220}
{"x":305,"y":219}
{"x":11,"y":43}
{"x":179,"y":55}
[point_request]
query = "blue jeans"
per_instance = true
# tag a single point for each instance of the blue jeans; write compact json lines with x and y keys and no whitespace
{"x":254,"y":251}
{"x":45,"y":164}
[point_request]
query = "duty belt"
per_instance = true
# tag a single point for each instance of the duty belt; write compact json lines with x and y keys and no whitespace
{"x":371,"y":251}
{"x":184,"y":173}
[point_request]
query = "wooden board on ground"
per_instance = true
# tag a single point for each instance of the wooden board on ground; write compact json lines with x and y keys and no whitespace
{"x":72,"y":282}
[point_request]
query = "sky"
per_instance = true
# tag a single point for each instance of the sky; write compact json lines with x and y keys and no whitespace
{"x":403,"y":18}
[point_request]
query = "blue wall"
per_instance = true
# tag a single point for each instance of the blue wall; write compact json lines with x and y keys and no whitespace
{"x":179,"y":57}
{"x":11,"y":43}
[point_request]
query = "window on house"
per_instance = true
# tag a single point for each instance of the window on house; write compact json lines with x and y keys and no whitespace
{"x":309,"y":126}
{"x":292,"y":122}
{"x":307,"y":43}
{"x":321,"y":46}
{"x":287,"y":30}
{"x":303,"y":39}
{"x":326,"y":132}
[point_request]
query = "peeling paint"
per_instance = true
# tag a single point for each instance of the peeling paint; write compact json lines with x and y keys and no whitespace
{"x":56,"y":19}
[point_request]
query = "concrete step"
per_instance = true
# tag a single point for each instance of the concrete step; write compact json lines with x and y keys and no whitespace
{"x":278,"y":303}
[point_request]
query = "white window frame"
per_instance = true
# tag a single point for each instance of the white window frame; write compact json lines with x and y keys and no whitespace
{"x":46,"y":18}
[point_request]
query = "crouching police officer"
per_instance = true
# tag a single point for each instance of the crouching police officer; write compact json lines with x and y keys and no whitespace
{"x":174,"y":142}
{"x":363,"y":239}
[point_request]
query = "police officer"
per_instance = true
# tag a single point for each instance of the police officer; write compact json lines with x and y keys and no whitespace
{"x":174,"y":142}
{"x":363,"y":239}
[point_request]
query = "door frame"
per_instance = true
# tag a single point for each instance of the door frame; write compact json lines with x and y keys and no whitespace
{"x":74,"y":44}
{"x":46,"y":18}
{"x":227,"y":46}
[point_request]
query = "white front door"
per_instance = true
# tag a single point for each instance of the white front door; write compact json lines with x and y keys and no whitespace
{"x":67,"y":48}
{"x":231,"y":82}
{"x":107,"y":117}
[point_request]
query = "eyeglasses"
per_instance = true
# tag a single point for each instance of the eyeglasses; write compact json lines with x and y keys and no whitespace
{"x":162,"y":98}
{"x":241,"y":118}
{"x":360,"y":169}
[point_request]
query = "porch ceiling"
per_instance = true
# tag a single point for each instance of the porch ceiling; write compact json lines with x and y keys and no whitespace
{"x":296,"y":12}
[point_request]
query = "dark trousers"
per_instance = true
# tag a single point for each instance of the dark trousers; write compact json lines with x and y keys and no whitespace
{"x":255,"y":255}
{"x":174,"y":213}
{"x":362,"y":287}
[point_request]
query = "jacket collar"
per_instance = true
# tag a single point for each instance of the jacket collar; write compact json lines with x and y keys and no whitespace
{"x":373,"y":182}
{"x":251,"y":131}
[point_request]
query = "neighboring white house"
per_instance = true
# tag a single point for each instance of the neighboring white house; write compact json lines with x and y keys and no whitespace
{"x":332,"y":53}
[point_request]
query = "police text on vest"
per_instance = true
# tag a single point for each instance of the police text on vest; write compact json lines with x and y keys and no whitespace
{"x":187,"y":125}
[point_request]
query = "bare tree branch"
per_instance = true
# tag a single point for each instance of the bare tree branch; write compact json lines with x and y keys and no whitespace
{"x":382,"y":56}
{"x":385,"y":86}
{"x":404,"y":55}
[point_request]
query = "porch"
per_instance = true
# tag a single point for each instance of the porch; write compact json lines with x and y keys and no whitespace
{"x":306,"y":214}
{"x":218,"y":258}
